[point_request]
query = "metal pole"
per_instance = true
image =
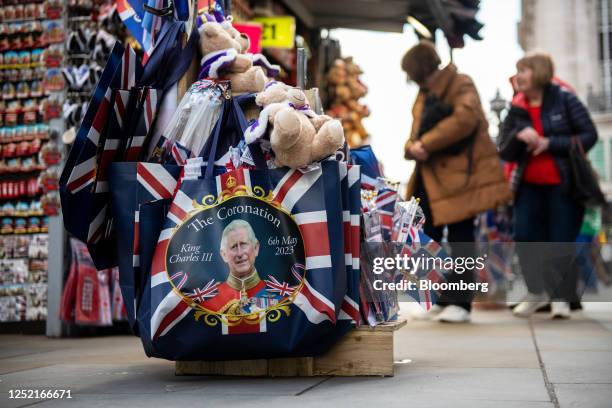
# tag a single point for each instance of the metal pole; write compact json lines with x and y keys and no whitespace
{"x":301,"y":68}
{"x":57,"y":239}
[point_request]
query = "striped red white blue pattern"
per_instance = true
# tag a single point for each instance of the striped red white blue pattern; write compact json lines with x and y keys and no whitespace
{"x":291,"y":188}
{"x":86,"y":201}
{"x":110,"y":140}
{"x":147,"y":113}
{"x":349,"y":180}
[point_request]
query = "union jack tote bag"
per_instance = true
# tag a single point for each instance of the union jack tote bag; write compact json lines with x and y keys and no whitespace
{"x":87,"y":195}
{"x":79,"y":172}
{"x":131,"y":185}
{"x":243,"y":268}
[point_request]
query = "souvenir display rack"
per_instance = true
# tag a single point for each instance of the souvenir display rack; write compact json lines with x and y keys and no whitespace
{"x":31,"y":41}
{"x":92,"y":28}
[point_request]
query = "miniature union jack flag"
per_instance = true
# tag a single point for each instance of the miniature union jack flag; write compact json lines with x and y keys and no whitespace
{"x":182,"y":277}
{"x":210,"y":290}
{"x":283,"y":289}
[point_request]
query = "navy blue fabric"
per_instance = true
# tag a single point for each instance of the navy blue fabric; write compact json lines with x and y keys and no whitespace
{"x":75,"y":214}
{"x":292,"y":335}
{"x":364,"y":156}
{"x":228,"y":131}
{"x":563,"y":116}
{"x":547,"y":214}
{"x":127,"y":195}
{"x":181,"y":9}
{"x":170,"y":60}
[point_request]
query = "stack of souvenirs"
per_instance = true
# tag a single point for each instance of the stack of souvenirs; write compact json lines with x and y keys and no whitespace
{"x":29,"y":75}
{"x":495,"y":243}
{"x":392,"y":227}
{"x":220,"y":227}
{"x":345,"y":89}
{"x":23,"y":277}
{"x":234,"y":211}
{"x":30,"y":34}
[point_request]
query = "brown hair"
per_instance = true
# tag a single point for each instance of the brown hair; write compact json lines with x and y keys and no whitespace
{"x":542,"y":66}
{"x":421,"y":61}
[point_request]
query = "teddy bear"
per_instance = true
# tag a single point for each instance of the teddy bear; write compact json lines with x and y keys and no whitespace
{"x":223,"y":58}
{"x":337,"y":73}
{"x":345,"y":90}
{"x":298,"y":136}
{"x":241,"y":38}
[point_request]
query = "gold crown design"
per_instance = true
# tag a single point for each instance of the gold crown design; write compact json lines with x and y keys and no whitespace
{"x":231,"y":182}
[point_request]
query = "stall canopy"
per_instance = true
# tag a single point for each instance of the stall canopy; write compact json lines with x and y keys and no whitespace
{"x":456,"y":18}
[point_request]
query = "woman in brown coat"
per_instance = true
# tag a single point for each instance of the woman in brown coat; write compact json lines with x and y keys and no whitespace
{"x":458,"y":172}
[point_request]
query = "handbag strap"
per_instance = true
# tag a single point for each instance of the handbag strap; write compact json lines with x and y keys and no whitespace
{"x":210,"y":163}
{"x":577,"y":144}
{"x":158,"y":73}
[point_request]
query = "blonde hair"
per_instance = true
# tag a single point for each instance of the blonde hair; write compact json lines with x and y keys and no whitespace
{"x":542,"y":66}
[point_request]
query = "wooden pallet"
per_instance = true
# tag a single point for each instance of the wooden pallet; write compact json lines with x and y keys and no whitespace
{"x":364,"y":351}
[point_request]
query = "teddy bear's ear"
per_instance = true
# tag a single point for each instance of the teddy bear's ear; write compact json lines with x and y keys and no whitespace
{"x":210,"y":29}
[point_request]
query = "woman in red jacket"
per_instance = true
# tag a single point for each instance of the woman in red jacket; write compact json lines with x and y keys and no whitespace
{"x":537,"y":135}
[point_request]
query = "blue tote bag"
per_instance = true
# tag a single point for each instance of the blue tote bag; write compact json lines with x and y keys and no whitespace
{"x":244,"y":266}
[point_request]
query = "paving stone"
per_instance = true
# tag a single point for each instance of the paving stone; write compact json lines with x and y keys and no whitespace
{"x":584,"y":395}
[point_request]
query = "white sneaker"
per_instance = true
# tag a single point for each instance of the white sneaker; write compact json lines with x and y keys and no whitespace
{"x":559,"y":310}
{"x":530,"y":304}
{"x":434,"y":311}
{"x":453,"y":314}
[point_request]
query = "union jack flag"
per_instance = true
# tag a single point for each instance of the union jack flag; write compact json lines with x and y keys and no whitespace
{"x":179,"y":153}
{"x":112,"y":140}
{"x":385,"y":204}
{"x":151,"y":25}
{"x":370,"y":169}
{"x":421,"y":245}
{"x":131,"y":13}
{"x":182,"y":277}
{"x":210,"y":290}
{"x":145,"y":114}
{"x":283,"y":289}
{"x":84,"y":220}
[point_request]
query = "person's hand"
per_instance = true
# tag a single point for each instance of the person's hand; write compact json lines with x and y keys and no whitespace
{"x":407,"y":154}
{"x":418,"y":152}
{"x":530,"y":137}
{"x":541,"y":145}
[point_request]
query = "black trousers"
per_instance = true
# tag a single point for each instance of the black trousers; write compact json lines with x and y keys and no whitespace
{"x":461,"y":241}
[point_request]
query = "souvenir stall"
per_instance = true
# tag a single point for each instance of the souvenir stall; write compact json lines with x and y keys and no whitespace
{"x":232,"y":208}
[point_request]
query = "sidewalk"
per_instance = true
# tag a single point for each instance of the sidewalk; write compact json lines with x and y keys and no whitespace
{"x":497,"y":361}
